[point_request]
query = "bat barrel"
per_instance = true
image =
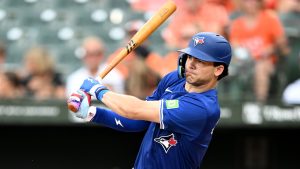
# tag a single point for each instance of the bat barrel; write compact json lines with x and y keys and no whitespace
{"x":153,"y":23}
{"x":143,"y":33}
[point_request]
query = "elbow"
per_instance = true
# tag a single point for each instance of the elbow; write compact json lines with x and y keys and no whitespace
{"x":131,"y":111}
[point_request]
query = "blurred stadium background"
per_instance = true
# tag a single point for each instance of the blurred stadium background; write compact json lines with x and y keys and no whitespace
{"x":42,"y":135}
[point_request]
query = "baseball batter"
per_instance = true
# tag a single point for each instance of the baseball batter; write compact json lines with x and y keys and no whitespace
{"x":180,"y":115}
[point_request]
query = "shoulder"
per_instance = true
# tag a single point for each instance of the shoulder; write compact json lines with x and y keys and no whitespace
{"x":171,"y":78}
{"x":167,"y":81}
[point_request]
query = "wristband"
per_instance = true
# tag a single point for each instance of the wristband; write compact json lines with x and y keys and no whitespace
{"x":98,"y":91}
{"x":101,"y":93}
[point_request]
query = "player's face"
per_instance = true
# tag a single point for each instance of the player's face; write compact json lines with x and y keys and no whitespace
{"x":199,"y":72}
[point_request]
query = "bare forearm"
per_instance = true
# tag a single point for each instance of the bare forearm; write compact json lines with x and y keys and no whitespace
{"x":121,"y":104}
{"x":132,"y":107}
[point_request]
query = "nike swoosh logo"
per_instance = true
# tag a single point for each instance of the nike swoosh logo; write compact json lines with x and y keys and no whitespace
{"x":168,"y":90}
{"x":118,"y":122}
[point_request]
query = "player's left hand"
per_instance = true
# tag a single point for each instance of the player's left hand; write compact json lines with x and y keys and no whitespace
{"x":94,"y":88}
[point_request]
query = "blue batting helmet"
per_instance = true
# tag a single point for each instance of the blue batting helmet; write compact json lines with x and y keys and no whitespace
{"x":206,"y":46}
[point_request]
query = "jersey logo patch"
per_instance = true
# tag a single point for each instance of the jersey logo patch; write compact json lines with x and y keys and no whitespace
{"x":166,"y":141}
{"x":172,"y":104}
{"x":168,"y":90}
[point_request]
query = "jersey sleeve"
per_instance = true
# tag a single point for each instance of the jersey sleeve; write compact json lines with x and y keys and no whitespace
{"x":165,"y":82}
{"x":112,"y":120}
{"x":185,"y":115}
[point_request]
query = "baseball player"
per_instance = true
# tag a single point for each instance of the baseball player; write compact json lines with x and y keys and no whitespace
{"x":179,"y":116}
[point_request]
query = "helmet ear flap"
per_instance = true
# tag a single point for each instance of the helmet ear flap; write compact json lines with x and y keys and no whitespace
{"x":181,"y":64}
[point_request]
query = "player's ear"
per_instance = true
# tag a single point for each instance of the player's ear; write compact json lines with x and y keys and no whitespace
{"x":218,"y":70}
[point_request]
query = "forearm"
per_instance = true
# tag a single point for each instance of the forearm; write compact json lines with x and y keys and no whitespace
{"x":132,"y":107}
{"x":112,"y":120}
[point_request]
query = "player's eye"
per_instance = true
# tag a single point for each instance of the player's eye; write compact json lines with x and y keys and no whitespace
{"x":194,"y":59}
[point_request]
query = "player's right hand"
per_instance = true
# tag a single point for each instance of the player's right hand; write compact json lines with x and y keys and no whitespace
{"x":94,"y":87}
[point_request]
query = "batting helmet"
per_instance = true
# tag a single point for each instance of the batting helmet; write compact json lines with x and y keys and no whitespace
{"x":206,"y":46}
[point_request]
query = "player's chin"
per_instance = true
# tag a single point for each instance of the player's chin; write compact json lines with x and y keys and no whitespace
{"x":189,"y":79}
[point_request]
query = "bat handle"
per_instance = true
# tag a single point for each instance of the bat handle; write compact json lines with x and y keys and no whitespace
{"x":73,"y":106}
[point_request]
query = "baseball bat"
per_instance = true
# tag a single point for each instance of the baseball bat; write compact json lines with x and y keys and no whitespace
{"x":139,"y":37}
{"x":143,"y":33}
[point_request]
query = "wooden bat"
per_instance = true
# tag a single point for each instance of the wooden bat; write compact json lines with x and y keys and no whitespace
{"x":143,"y":33}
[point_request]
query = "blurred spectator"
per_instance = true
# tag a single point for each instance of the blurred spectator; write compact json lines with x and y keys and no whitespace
{"x":141,"y":67}
{"x":261,"y":33}
{"x":205,"y":16}
{"x":141,"y":81}
{"x":93,"y":62}
{"x":2,"y":55}
{"x":10,"y":86}
{"x":291,"y":94}
{"x":287,"y":6}
{"x":230,"y":5}
{"x":170,"y":61}
{"x":146,"y":5}
{"x":150,"y":6}
{"x":39,"y":76}
{"x":270,"y":4}
{"x":151,"y":59}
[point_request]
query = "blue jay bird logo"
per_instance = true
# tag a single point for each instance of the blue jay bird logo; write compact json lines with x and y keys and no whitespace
{"x":166,"y":141}
{"x":198,"y":40}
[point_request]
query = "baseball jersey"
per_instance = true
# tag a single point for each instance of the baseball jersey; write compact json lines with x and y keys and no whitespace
{"x":187,"y":120}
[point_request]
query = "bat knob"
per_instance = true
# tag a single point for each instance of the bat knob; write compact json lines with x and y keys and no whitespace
{"x":75,"y":100}
{"x":73,"y":106}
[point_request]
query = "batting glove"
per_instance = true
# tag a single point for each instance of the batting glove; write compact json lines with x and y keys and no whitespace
{"x":94,"y":88}
{"x":81,"y":101}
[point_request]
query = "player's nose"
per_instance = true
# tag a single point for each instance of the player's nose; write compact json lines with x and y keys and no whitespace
{"x":191,"y":63}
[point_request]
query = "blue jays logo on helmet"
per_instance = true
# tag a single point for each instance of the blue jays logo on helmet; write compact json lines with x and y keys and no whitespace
{"x":198,"y":40}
